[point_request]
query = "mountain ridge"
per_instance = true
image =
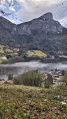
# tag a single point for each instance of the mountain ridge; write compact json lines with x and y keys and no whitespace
{"x":46,"y":19}
{"x":48,"y":16}
{"x":11,"y":9}
{"x":42,"y":33}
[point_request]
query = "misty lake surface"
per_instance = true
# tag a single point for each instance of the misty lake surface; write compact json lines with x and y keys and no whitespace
{"x":21,"y":67}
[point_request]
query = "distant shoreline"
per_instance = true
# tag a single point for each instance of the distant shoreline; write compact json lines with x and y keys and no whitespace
{"x":21,"y":67}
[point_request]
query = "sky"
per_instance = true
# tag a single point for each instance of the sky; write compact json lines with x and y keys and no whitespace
{"x":26,"y":10}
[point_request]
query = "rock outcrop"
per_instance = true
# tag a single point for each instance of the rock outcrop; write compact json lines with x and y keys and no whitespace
{"x":44,"y":23}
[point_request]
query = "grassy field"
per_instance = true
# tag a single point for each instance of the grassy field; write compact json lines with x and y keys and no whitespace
{"x":24,"y":102}
{"x":15,"y":49}
{"x":1,"y":51}
{"x":8,"y":50}
{"x":36,"y":53}
{"x":62,"y":56}
{"x":2,"y":60}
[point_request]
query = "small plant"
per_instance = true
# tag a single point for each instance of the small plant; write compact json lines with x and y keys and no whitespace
{"x":10,"y":76}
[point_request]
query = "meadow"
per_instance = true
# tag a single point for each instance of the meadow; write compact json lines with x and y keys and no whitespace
{"x":36,"y":53}
{"x":25,"y":102}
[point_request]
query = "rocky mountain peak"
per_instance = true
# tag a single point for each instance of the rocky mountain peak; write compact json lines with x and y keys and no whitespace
{"x":45,"y":23}
{"x":47,"y":16}
{"x":43,"y":33}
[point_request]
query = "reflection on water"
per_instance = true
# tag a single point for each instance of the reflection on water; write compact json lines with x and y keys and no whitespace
{"x":21,"y":67}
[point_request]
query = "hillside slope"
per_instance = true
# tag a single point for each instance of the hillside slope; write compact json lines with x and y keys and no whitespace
{"x":24,"y":102}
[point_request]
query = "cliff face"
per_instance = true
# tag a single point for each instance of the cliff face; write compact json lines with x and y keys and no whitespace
{"x":43,"y":33}
{"x":44,"y":23}
{"x":6,"y":24}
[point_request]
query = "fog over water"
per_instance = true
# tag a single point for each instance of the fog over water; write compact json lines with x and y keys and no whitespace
{"x":21,"y":67}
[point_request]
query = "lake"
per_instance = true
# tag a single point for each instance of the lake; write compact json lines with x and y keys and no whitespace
{"x":21,"y":67}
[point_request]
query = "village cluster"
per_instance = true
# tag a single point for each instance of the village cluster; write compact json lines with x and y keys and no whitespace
{"x":57,"y":76}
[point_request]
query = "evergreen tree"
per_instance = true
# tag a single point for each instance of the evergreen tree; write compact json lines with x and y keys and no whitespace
{"x":10,"y":77}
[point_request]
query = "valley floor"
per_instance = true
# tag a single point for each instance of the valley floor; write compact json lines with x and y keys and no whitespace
{"x":23,"y":102}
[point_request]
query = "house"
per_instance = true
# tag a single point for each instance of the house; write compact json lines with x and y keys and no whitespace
{"x":8,"y":82}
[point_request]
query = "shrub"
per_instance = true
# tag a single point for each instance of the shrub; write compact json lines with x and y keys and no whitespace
{"x":48,"y":81}
{"x":10,"y":77}
{"x":63,"y":72}
{"x":65,"y":78}
{"x":31,"y":78}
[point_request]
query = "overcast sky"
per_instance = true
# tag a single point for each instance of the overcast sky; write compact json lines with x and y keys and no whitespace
{"x":30,"y":9}
{"x":35,"y":8}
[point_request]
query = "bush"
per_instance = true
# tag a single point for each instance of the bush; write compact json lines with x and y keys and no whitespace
{"x":31,"y":78}
{"x":48,"y":81}
{"x":63,"y":72}
{"x":10,"y":77}
{"x":1,"y":79}
{"x":8,"y":56}
{"x":65,"y":78}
